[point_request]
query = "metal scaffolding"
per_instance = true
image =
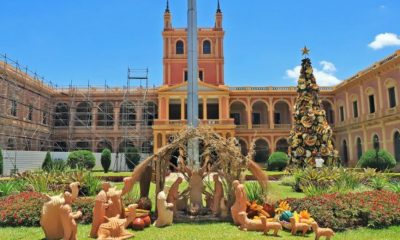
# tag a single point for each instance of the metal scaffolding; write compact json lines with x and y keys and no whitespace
{"x":38,"y":115}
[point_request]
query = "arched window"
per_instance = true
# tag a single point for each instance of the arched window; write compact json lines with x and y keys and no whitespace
{"x":359,"y":148}
{"x":11,"y":144}
{"x":206,"y":47}
{"x":147,"y":147}
{"x":13,"y":109}
{"x":396,"y":142}
{"x":375,"y":142}
{"x":83,"y":145}
{"x":61,"y":115}
{"x":124,"y":145}
{"x":261,"y":151}
{"x":243,"y":147}
{"x":282,"y":145}
{"x":83,"y":114}
{"x":150,"y":113}
{"x":180,"y":47}
{"x":127,"y":115}
{"x":345,"y":154}
{"x":103,"y":144}
{"x":60,"y":147}
{"x":105,"y":116}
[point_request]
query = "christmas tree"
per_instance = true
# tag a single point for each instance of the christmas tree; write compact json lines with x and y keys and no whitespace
{"x":311,"y":135}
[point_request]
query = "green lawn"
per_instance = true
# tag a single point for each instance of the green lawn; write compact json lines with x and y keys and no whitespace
{"x":206,"y":231}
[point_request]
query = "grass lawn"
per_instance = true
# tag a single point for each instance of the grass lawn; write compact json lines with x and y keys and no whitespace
{"x":207,"y":231}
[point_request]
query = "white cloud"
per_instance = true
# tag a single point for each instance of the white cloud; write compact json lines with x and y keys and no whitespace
{"x":328,"y":66}
{"x":384,"y":40}
{"x":324,"y":77}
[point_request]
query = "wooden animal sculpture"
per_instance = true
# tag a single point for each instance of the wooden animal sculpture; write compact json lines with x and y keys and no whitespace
{"x":70,"y":228}
{"x":99,"y":209}
{"x":322,"y":232}
{"x":115,"y":227}
{"x":218,"y":195}
{"x":275,"y":226}
{"x":52,"y":211}
{"x":164,"y":210}
{"x":173,"y":193}
{"x":304,"y":227}
{"x":115,"y":207}
{"x":240,"y":202}
{"x":251,"y":224}
{"x":195,"y":180}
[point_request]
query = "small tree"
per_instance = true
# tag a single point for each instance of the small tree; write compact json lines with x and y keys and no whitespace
{"x":47,"y":164}
{"x":278,"y":161}
{"x":381,"y":161}
{"x":1,"y":162}
{"x":106,"y":159}
{"x":81,"y":159}
{"x":132,"y":157}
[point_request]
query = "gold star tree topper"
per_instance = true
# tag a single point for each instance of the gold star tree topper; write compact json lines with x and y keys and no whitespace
{"x":305,"y":51}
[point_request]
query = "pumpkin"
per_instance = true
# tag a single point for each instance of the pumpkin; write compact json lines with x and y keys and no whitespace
{"x":147,"y":221}
{"x":138,"y":224}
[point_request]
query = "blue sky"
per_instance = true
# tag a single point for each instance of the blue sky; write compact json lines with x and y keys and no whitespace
{"x":96,"y":40}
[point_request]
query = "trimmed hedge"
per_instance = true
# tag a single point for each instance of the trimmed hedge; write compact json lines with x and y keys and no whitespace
{"x":47,"y":164}
{"x":132,"y":157}
{"x":81,"y":159}
{"x":278,"y":161}
{"x":106,"y":159}
{"x":384,"y":161}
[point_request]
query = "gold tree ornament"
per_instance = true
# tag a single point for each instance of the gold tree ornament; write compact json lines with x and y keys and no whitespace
{"x":305,"y":51}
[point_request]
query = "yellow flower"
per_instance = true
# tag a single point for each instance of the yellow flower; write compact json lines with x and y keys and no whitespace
{"x":305,"y":214}
{"x":283,"y":206}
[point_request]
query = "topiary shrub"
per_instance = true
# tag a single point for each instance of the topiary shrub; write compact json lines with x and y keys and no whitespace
{"x":81,"y":159}
{"x":132,"y":157}
{"x":278,"y":161}
{"x":47,"y":164}
{"x":106,"y":159}
{"x":384,"y":160}
{"x":1,"y":162}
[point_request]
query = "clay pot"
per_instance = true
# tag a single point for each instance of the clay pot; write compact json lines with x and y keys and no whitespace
{"x":138,"y":224}
{"x":147,"y":221}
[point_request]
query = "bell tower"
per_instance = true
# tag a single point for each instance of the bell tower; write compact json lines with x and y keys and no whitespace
{"x":210,"y":52}
{"x":167,"y":18}
{"x":218,"y":17}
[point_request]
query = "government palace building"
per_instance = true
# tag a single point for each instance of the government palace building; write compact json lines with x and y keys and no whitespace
{"x":364,"y":110}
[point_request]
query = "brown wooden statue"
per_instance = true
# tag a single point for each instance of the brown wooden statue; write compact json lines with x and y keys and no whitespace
{"x":218,"y":195}
{"x":57,"y":219}
{"x":196,"y":185}
{"x":240,"y":202}
{"x":99,"y":210}
{"x":70,"y":228}
{"x":115,"y":227}
{"x":173,"y":193}
{"x":115,"y":207}
{"x":164,"y":209}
